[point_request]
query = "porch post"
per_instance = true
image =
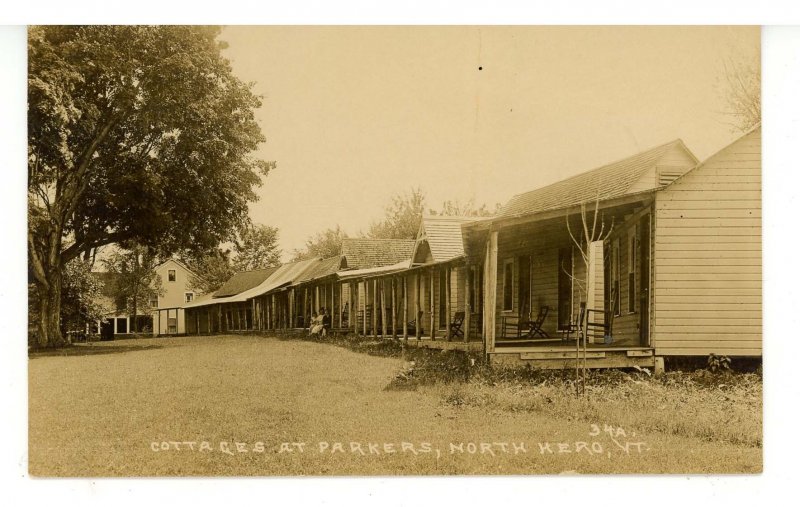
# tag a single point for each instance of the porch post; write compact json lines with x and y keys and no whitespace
{"x":447,"y":301}
{"x":490,"y":292}
{"x":364,"y":311}
{"x":351,"y":309}
{"x":405,"y":307}
{"x":375,"y":307}
{"x":467,"y":300}
{"x":433,"y":304}
{"x":418,"y":305}
{"x":384,"y":326}
{"x":394,"y":308}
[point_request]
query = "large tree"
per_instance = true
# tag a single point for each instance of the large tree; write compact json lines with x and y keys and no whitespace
{"x":256,"y":247}
{"x":134,"y":133}
{"x":402,"y":217}
{"x":325,"y":244}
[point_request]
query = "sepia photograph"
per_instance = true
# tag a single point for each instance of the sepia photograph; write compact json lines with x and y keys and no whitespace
{"x":283,"y":251}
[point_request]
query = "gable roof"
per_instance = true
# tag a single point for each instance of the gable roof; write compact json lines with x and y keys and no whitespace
{"x":443,"y":236}
{"x":362,"y":253}
{"x":243,"y":281}
{"x":179,"y":263}
{"x":605,"y":182}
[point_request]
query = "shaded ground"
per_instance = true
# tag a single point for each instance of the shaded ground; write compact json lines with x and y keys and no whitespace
{"x":127,"y":414}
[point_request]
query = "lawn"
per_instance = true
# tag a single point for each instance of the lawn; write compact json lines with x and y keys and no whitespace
{"x":250,"y":405}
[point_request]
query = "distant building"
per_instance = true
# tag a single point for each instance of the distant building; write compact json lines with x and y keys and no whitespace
{"x":177,"y":290}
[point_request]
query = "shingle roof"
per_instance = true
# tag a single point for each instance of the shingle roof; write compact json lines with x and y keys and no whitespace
{"x":243,"y":281}
{"x":606,"y":182}
{"x":323,"y":268}
{"x":444,"y":236}
{"x":370,"y":253}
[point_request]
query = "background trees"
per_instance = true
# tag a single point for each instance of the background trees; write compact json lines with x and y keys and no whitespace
{"x":742,"y":92}
{"x":136,"y":282}
{"x":135,"y":134}
{"x":327,"y":243}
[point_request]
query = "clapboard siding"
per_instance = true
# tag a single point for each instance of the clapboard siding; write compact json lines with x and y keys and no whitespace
{"x":676,"y":160}
{"x":707,"y":256}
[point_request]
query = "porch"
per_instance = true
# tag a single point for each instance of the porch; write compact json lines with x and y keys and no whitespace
{"x":538,"y":278}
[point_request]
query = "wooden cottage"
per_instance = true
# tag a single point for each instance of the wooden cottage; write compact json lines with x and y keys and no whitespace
{"x":218,"y":313}
{"x":539,"y":267}
{"x":706,"y":257}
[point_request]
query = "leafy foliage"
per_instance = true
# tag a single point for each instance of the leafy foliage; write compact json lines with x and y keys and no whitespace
{"x":718,"y":363}
{"x":213,"y":268}
{"x":256,"y":247}
{"x":402,"y":217}
{"x":135,"y":133}
{"x":136,"y":282}
{"x":325,"y":244}
{"x":81,"y":297}
{"x":466,"y":209}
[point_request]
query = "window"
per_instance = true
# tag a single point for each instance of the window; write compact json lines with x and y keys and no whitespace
{"x":171,"y":275}
{"x":508,"y":285}
{"x":154,"y":303}
{"x":172,"y":325}
{"x":188,"y":297}
{"x":615,"y":277}
{"x":632,"y":270}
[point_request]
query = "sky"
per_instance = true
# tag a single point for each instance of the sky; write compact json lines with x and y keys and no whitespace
{"x":355,"y":115}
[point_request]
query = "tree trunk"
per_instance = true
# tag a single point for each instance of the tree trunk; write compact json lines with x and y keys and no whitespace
{"x":49,"y":326}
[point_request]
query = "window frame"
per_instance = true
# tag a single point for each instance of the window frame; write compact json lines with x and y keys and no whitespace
{"x":188,"y":297}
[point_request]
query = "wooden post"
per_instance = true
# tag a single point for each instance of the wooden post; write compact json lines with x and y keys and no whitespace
{"x":375,"y":307}
{"x":394,"y":308}
{"x":433,"y":304}
{"x":351,"y":309}
{"x":362,"y":305}
{"x":490,"y":293}
{"x":468,"y":278}
{"x":384,"y":327}
{"x":334,"y":310}
{"x":418,"y":305}
{"x":448,"y":319}
{"x":405,"y":307}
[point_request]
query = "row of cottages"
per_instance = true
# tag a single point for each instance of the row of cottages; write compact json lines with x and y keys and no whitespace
{"x":679,"y":274}
{"x":673,"y":269}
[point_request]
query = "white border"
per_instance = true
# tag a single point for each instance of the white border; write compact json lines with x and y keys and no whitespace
{"x":781,"y":47}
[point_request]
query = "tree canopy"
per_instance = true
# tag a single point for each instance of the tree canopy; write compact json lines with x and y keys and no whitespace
{"x":135,"y":133}
{"x":402,"y":217}
{"x":325,"y":244}
{"x":256,"y":247}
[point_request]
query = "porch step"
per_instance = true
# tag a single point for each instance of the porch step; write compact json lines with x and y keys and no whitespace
{"x":561,"y":359}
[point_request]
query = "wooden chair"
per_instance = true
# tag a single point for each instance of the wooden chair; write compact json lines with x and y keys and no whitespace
{"x":455,"y":325}
{"x":534,"y":327}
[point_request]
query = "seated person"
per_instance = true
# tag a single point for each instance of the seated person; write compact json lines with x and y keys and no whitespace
{"x":316,"y":324}
{"x":326,"y":321}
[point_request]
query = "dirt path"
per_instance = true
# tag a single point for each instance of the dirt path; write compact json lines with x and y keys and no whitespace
{"x":148,"y":410}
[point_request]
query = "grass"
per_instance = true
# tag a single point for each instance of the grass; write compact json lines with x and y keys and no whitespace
{"x":100,"y":414}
